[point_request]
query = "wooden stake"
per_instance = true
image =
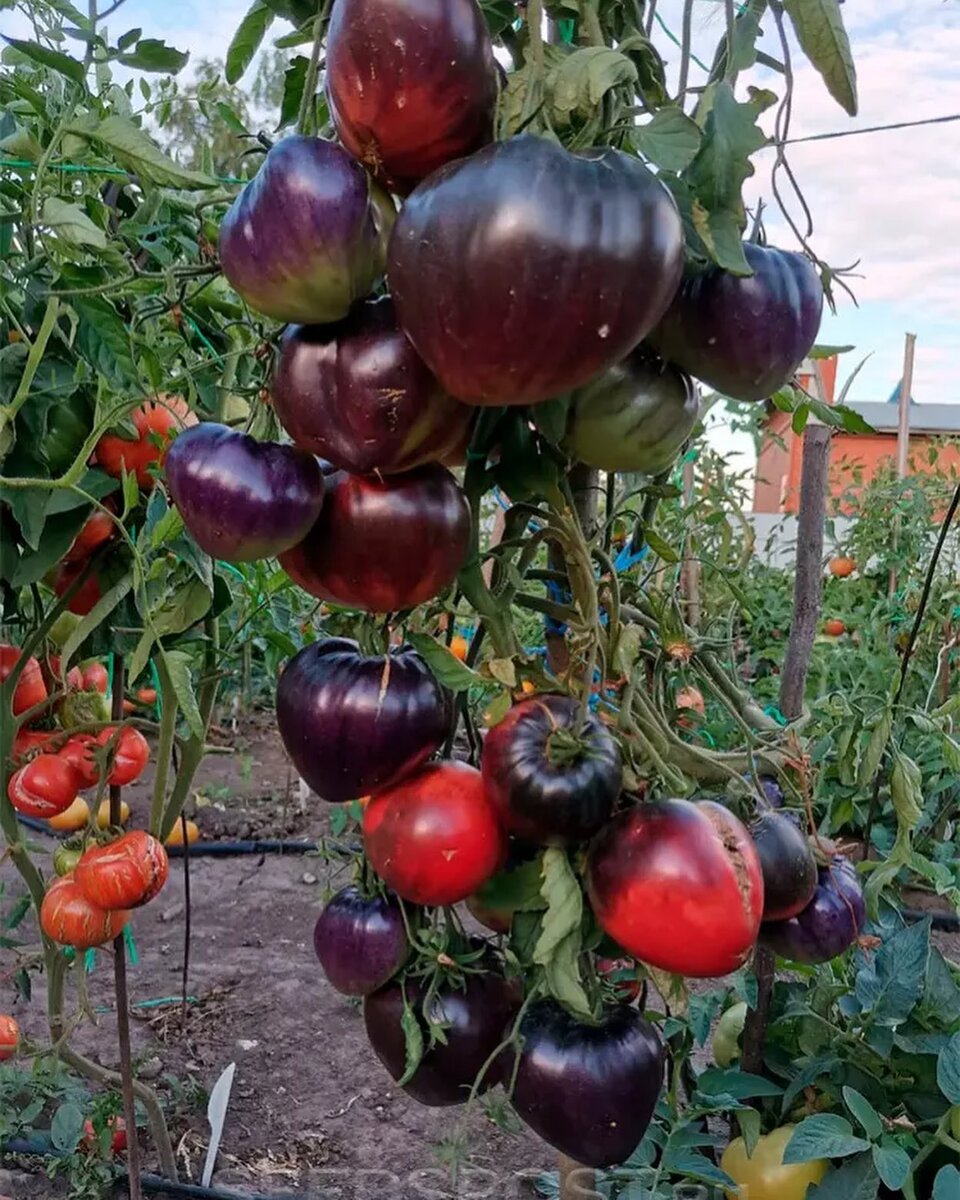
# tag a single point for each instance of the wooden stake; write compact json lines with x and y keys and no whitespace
{"x":691,"y":568}
{"x":903,"y":433}
{"x":577,"y":1182}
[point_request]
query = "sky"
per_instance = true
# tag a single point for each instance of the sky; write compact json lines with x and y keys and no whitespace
{"x":890,"y":200}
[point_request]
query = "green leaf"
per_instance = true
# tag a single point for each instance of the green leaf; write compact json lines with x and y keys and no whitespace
{"x":720,"y":232}
{"x":864,"y":1112}
{"x":822,"y":351}
{"x":561,"y":890}
{"x":141,"y":656}
{"x":889,"y":987}
{"x":412,"y":1042}
{"x":56,"y":539}
{"x":246,"y":41}
{"x":66,"y":1127}
{"x":103,"y":339}
{"x":660,"y":546}
{"x":514,"y":891}
{"x":730,"y":1081}
{"x":169,"y":526}
{"x":70,"y":222}
{"x":152,"y":54}
{"x":61,"y":63}
{"x":892,"y":1163}
{"x":818,"y":25}
{"x":906,"y":789}
{"x":948,"y":1070}
{"x":946,"y":1186}
{"x":941,"y":993}
{"x":127,"y":40}
{"x":178,"y":612}
{"x":96,"y":616}
{"x":748,"y":1119}
{"x":580,"y":80}
{"x":855,"y":1180}
{"x":503,"y":670}
{"x":562,"y":970}
{"x":823,"y":1136}
{"x":447,"y":668}
{"x":876,"y":747}
{"x":177,"y":663}
{"x":294,"y":81}
{"x":136,"y":152}
{"x":671,"y":140}
{"x":230,"y":119}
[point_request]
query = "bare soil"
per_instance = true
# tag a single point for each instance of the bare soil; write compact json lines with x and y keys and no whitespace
{"x":312,"y":1112}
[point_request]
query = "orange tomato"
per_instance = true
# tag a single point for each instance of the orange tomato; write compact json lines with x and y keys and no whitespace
{"x":691,"y":697}
{"x":103,"y":814}
{"x":157,"y":423}
{"x":68,"y":918}
{"x":834,"y":627}
{"x":72,"y":818}
{"x":9,"y":1037}
{"x":30,"y":689}
{"x":840,"y":568}
{"x":528,"y":687}
{"x":175,"y":836}
{"x":125,"y":873}
{"x":459,"y":647}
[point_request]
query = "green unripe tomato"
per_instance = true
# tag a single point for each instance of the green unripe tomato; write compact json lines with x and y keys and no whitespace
{"x":65,"y":858}
{"x":955,"y":1122}
{"x":84,"y":708}
{"x":62,"y":627}
{"x":726,"y":1037}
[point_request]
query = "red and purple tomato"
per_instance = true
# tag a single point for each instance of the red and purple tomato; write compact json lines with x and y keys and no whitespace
{"x":434,"y":837}
{"x":242,"y":499}
{"x":360,"y":941}
{"x":358,"y":394}
{"x":482,"y":243}
{"x":552,"y":779}
{"x":384,"y":545}
{"x":305,"y":238}
{"x":679,"y":886}
{"x":411,"y":84}
{"x":355,"y":723}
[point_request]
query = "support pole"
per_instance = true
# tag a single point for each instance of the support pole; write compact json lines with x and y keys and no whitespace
{"x":903,"y":433}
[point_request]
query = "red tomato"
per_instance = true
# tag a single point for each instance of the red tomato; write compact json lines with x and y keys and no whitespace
{"x":30,"y":689}
{"x":147,"y":696}
{"x":68,"y":918}
{"x":9,"y":1037}
{"x":98,"y":529}
{"x":123,"y":874}
{"x":29,"y":740}
{"x":622,"y":975}
{"x":86,"y":596}
{"x":80,"y":751}
{"x":54,"y":678}
{"x":118,"y":1135}
{"x":691,"y":697}
{"x":131,"y":755}
{"x":834,"y":627}
{"x":44,"y":787}
{"x":95,"y":678}
{"x":679,"y":886}
{"x":157,"y":423}
{"x":434,"y":837}
{"x":841,"y":568}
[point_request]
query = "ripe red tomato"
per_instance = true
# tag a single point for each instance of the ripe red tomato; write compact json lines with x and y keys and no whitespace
{"x":9,"y":1037}
{"x":95,"y":678}
{"x":44,"y":787}
{"x":54,"y":678}
{"x":80,"y":751}
{"x":131,"y":755}
{"x":68,"y":918}
{"x":29,"y":740}
{"x":434,"y":837}
{"x":834,"y":627}
{"x":30,"y":689}
{"x":147,"y":696}
{"x":679,"y":886}
{"x":840,"y":568}
{"x":86,"y":596}
{"x":97,"y":529}
{"x":117,"y":1128}
{"x":157,"y":423}
{"x":123,"y":874}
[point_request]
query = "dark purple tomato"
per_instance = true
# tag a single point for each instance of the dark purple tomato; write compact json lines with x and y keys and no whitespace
{"x":772,"y":791}
{"x":358,"y":394}
{"x":354,"y":723}
{"x":242,"y":499}
{"x":744,"y":337}
{"x":829,"y":925}
{"x":384,"y":545}
{"x":788,"y":865}
{"x":525,"y":270}
{"x":476,"y":1016}
{"x":411,"y":84}
{"x":551,"y":784}
{"x":588,"y":1090}
{"x":305,"y":238}
{"x":361,"y":941}
{"x":633,"y":417}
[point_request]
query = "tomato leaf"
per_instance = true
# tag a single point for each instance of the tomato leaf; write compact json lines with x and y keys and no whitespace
{"x":748,"y":1119}
{"x":152,"y":54}
{"x":823,"y":1136}
{"x":561,"y":890}
{"x":58,"y":534}
{"x":70,"y":222}
{"x":889,"y":986}
{"x":134,"y":150}
{"x":103,"y":339}
{"x":876,"y":747}
{"x":948,"y":1070}
{"x":184,"y":608}
{"x":855,"y":1180}
{"x":503,"y":670}
{"x":294,"y":81}
{"x":670,"y":140}
{"x":518,"y":890}
{"x":445,"y":665}
{"x":731,"y":1081}
{"x":62,"y":63}
{"x":818,"y":25}
{"x":96,"y":616}
{"x":906,"y":789}
{"x":246,"y":41}
{"x":66,"y":1127}
{"x":141,"y":655}
{"x":579,"y":81}
{"x":563,"y":974}
{"x":864,"y":1112}
{"x":177,"y":663}
{"x":946,"y":1186}
{"x":412,"y":1040}
{"x":892,"y":1164}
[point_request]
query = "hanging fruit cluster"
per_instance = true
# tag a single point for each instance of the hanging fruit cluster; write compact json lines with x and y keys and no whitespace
{"x":515,"y":272}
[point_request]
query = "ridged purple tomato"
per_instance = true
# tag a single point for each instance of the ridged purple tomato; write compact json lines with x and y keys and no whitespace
{"x":551,"y":783}
{"x":242,"y":499}
{"x":476,"y":1016}
{"x":588,"y":1089}
{"x":789,"y":868}
{"x":678,"y":885}
{"x":745,"y":337}
{"x":305,"y":238}
{"x":360,"y":941}
{"x":359,"y":395}
{"x":384,"y":545}
{"x":525,"y":270}
{"x":831,"y":922}
{"x":354,"y":723}
{"x":411,"y":84}
{"x":634,"y":417}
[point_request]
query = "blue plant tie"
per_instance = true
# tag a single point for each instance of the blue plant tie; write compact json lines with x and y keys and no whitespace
{"x":628,"y":558}
{"x":559,"y":595}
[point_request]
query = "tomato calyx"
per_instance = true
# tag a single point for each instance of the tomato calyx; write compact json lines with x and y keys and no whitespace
{"x":564,"y":748}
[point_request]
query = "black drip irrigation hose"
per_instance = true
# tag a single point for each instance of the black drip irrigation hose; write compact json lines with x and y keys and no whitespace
{"x":227,"y":849}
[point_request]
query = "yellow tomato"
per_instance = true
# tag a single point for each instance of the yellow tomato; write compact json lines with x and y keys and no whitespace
{"x":103,"y":814}
{"x":175,"y":836}
{"x":764,"y":1176}
{"x":72,"y":818}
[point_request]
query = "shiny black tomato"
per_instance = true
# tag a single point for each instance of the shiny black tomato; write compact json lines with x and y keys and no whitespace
{"x":588,"y":1089}
{"x":360,"y":941}
{"x":788,"y":865}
